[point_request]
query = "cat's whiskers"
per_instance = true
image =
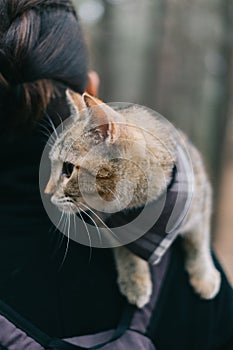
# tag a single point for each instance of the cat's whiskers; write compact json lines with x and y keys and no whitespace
{"x":75,"y":227}
{"x":102,"y":222}
{"x":63,"y":229}
{"x":62,"y":235}
{"x":97,"y":228}
{"x":48,"y":142}
{"x":68,"y":240}
{"x":47,"y":130}
{"x":61,"y":121}
{"x":59,"y":222}
{"x":47,"y":126}
{"x":88,"y":233}
{"x":64,"y":218}
{"x":53,"y":126}
{"x":48,"y":135}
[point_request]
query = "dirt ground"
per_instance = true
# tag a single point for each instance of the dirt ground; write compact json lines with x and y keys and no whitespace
{"x":224,"y":240}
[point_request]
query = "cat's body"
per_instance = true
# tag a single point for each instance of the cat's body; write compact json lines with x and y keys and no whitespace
{"x":138,"y":141}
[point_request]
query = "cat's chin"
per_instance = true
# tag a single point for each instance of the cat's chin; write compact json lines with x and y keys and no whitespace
{"x":67,"y":207}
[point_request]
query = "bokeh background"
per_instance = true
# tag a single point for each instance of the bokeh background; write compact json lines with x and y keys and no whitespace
{"x":177,"y":58}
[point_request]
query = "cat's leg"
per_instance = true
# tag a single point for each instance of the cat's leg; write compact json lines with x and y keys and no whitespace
{"x":134,"y":277}
{"x":204,"y":277}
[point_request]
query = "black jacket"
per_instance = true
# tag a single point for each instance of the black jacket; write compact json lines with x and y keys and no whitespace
{"x":183,"y":321}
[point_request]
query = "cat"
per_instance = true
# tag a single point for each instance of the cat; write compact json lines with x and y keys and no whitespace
{"x":95,"y":122}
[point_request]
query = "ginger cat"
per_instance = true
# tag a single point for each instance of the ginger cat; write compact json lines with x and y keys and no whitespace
{"x":95,"y":123}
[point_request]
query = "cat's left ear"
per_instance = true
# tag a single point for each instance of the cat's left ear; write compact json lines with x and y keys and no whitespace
{"x":103,"y":118}
{"x":75,"y":102}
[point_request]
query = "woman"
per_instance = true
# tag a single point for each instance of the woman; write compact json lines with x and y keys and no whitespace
{"x":42,"y":52}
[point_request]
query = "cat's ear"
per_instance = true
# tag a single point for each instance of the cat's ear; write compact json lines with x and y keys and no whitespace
{"x":102,"y":118}
{"x":75,"y":102}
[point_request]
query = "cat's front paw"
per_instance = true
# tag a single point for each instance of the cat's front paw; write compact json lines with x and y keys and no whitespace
{"x":137,"y":289}
{"x":207,"y":285}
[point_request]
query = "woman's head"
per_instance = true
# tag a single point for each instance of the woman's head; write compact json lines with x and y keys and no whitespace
{"x":41,"y":43}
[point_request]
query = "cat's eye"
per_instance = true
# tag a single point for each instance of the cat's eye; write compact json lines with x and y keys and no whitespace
{"x":67,"y":169}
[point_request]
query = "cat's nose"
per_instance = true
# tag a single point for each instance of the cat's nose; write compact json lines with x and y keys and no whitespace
{"x":50,"y":187}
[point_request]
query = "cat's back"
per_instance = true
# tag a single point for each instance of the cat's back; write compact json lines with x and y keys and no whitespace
{"x":157,"y":131}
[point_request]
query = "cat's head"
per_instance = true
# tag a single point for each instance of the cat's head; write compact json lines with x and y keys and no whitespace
{"x":97,"y":160}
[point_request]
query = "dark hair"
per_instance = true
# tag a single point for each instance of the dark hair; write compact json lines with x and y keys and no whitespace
{"x":41,"y":43}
